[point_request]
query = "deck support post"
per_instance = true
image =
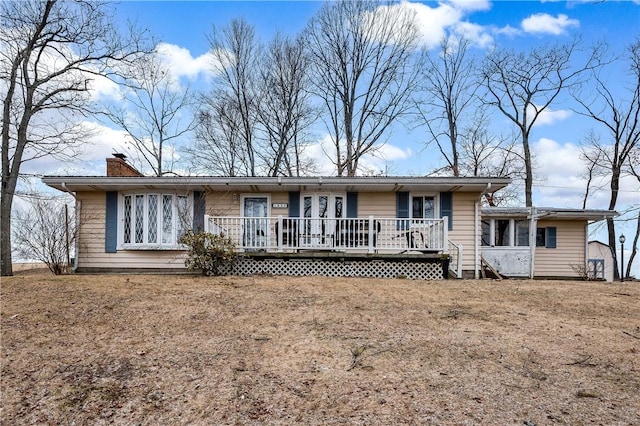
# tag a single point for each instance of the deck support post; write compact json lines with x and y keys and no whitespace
{"x":445,"y":234}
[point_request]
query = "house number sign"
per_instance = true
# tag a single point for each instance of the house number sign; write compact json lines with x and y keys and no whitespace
{"x":280,"y":205}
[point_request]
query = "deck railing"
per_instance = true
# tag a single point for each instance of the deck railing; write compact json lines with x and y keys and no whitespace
{"x":370,"y":234}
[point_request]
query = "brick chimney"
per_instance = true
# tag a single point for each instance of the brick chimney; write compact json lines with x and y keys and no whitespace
{"x":118,"y":166}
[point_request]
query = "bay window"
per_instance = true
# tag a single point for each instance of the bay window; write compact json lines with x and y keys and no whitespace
{"x":154,"y":220}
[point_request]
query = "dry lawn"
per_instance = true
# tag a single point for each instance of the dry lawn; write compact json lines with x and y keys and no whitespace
{"x":141,"y":349}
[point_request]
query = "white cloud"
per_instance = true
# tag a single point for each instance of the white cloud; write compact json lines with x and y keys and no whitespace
{"x":182,"y":64}
{"x":434,"y":22}
{"x":471,"y":5}
{"x":474,"y":32}
{"x":90,"y":160}
{"x":508,"y":31}
{"x":563,"y":182}
{"x":543,"y":23}
{"x":323,"y":151}
{"x":549,"y":116}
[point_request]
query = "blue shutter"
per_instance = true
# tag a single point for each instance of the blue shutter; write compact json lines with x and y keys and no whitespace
{"x":446,"y":207}
{"x":294,"y":204}
{"x":402,"y":209}
{"x":198,"y":211}
{"x":551,"y":237}
{"x":352,"y":204}
{"x":111,"y":223}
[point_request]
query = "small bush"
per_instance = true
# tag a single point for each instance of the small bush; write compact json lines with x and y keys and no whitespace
{"x":211,"y":253}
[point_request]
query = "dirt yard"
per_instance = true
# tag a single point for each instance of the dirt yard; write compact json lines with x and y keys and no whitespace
{"x":141,"y":349}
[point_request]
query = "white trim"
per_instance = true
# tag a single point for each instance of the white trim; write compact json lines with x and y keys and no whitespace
{"x":243,"y":196}
{"x":331,"y":207}
{"x":175,"y":217}
{"x":436,"y":204}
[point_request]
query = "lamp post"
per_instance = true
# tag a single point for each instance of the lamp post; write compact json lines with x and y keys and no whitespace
{"x":621,"y":239}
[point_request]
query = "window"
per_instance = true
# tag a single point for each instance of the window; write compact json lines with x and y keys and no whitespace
{"x":423,"y":207}
{"x":486,"y":233}
{"x":541,"y":237}
{"x":502,"y":233}
{"x":522,"y":233}
{"x":154,"y":219}
{"x":546,"y":237}
{"x":497,"y":233}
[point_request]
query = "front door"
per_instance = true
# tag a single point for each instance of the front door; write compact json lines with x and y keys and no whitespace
{"x":255,"y":232}
{"x":318,"y":228}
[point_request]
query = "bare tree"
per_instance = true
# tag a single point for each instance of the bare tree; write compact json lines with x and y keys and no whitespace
{"x":364,"y":71}
{"x":284,"y":110}
{"x":593,"y":158}
{"x":522,"y":85}
{"x":218,"y":135}
{"x":482,"y":153}
{"x":45,"y":232}
{"x":450,"y":84}
{"x":153,"y":112}
{"x":236,"y":52}
{"x":619,"y":115}
{"x":52,"y":52}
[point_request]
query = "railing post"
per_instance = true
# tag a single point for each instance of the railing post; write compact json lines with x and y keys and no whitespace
{"x":445,"y":234}
{"x":279,"y":232}
{"x":371,"y":233}
{"x":459,"y":271}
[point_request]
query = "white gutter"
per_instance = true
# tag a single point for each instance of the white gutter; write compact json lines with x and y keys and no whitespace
{"x":533,"y":226}
{"x":476,"y":249}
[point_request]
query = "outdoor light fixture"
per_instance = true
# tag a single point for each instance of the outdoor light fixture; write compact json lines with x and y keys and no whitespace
{"x":622,"y":239}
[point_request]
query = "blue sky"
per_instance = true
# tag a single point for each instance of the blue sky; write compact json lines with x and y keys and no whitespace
{"x":183,"y":26}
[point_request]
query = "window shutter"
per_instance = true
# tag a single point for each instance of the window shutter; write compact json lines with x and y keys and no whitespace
{"x":111,"y":222}
{"x":551,"y":237}
{"x":402,"y":210}
{"x":294,"y":204}
{"x":446,"y":207}
{"x":352,"y":204}
{"x":198,"y":211}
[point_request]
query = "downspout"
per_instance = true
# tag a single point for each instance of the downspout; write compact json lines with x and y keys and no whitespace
{"x":586,"y":249}
{"x":533,"y":225}
{"x":76,"y":243}
{"x":476,"y":274}
{"x":476,"y":230}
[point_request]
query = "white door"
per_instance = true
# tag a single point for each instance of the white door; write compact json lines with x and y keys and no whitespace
{"x":255,"y":224}
{"x":318,"y":212}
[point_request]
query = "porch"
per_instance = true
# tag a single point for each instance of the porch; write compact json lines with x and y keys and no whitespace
{"x":372,"y":246}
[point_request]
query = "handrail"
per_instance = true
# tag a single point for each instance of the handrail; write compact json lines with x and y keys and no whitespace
{"x":455,"y":259}
{"x":371,"y":234}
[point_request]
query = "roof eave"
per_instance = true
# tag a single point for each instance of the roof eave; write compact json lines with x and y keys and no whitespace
{"x":268,"y":184}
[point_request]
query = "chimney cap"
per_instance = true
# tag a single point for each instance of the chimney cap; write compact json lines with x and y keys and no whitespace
{"x":120,"y":155}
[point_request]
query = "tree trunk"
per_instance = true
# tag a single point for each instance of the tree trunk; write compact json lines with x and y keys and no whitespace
{"x":6,"y":268}
{"x":634,"y":249}
{"x":611,"y":226}
{"x":528,"y":180}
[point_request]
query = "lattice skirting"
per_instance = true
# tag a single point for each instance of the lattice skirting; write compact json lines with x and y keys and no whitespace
{"x":336,"y":268}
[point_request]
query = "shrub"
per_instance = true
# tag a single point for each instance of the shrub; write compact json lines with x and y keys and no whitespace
{"x":213,"y":254}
